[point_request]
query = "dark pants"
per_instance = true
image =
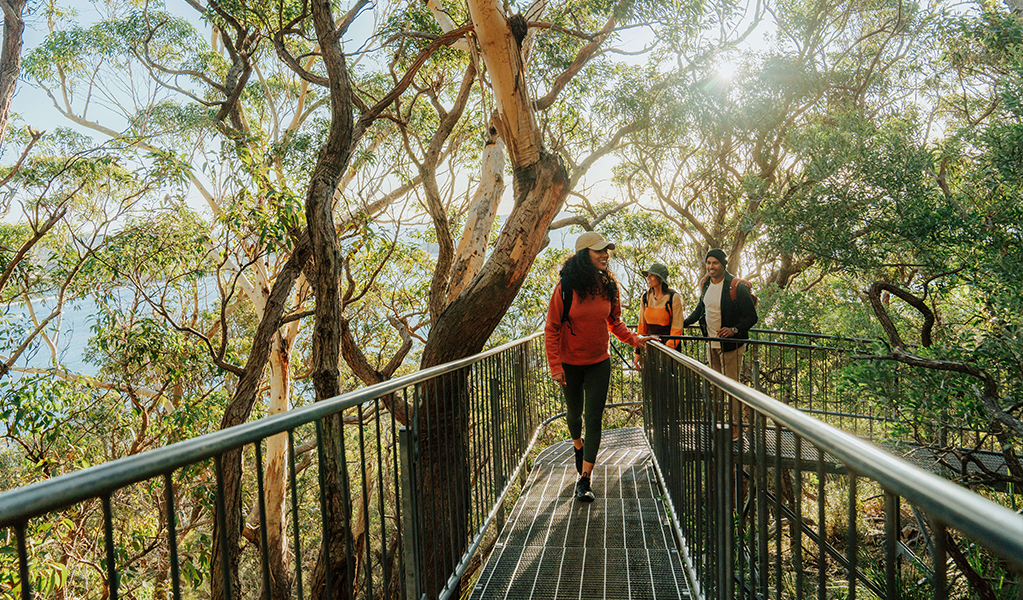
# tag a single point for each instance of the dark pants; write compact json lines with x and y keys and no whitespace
{"x":586,"y":394}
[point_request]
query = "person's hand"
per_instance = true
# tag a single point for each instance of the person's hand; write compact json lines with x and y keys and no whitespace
{"x":560,"y":378}
{"x":643,"y":340}
{"x":725,"y":332}
{"x":637,"y":362}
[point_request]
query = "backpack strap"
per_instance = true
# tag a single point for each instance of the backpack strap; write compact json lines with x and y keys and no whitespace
{"x":566,"y":304}
{"x":671,"y":298}
{"x":566,"y":300}
{"x":735,"y":284}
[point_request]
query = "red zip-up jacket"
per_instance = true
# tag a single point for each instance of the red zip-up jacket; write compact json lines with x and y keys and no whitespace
{"x":584,"y":338}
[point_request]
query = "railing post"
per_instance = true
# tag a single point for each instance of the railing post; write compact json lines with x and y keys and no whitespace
{"x":495,"y":424}
{"x":756,"y":367}
{"x":728,"y":512}
{"x":410,"y":512}
{"x":725,"y":533}
{"x":518,"y":373}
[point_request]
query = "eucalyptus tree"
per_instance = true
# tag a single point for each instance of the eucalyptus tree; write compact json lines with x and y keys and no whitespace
{"x":923,"y":214}
{"x":732,"y":146}
{"x":73,"y":198}
{"x":70,"y":195}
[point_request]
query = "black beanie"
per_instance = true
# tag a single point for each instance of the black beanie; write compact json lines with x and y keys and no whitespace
{"x":719,"y":254}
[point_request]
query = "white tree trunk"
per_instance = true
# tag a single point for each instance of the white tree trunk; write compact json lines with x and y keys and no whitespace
{"x":472,"y":248}
{"x":503,"y":58}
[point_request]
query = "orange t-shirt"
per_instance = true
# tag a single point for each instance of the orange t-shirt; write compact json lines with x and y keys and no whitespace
{"x":584,"y":338}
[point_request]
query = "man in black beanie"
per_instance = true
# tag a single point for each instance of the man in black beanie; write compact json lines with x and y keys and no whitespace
{"x":725,"y":310}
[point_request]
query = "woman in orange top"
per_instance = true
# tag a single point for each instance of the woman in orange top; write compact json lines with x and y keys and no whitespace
{"x":576,"y":340}
{"x":661,"y":312}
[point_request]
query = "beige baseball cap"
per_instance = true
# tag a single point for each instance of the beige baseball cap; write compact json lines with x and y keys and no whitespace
{"x":593,"y":241}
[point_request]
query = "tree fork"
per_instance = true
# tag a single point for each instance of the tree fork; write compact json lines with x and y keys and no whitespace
{"x":465,"y":326}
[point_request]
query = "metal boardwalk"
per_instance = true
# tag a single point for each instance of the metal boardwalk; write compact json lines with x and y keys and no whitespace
{"x":619,"y":546}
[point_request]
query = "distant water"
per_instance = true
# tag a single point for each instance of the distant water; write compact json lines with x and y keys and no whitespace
{"x":79,"y":317}
{"x":76,"y":322}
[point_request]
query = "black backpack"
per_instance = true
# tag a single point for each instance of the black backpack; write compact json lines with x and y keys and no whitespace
{"x":671,"y":301}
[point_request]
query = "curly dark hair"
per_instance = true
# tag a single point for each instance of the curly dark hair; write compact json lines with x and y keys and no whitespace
{"x":586,"y":279}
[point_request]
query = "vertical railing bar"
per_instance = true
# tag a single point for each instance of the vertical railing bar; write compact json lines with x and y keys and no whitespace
{"x":427,"y":396}
{"x":763,"y":566}
{"x":468,"y":508}
{"x":113,"y":581}
{"x":294,"y":513}
{"x":172,"y":535}
{"x":740,"y":496}
{"x":385,"y":575}
{"x":346,"y":502}
{"x":409,"y":526}
{"x":473,"y":520}
{"x":487,"y":443}
{"x":399,"y":438}
{"x":851,"y":541}
{"x":797,"y":510}
{"x":265,"y":549}
{"x":431,"y":400}
{"x":225,"y":564}
{"x":520,"y":404}
{"x":891,"y":526}
{"x":479,"y":426}
{"x":940,"y":561}
{"x":324,"y":512}
{"x":365,"y":503}
{"x":23,"y":568}
{"x":498,"y":467}
{"x":451,"y":508}
{"x":822,"y":532}
{"x":498,"y":446}
{"x":719,"y":419}
{"x":722,"y":436}
{"x":729,"y":503}
{"x":778,"y":515}
{"x":703,"y":442}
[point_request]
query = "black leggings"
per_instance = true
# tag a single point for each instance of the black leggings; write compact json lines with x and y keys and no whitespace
{"x":586,"y":394}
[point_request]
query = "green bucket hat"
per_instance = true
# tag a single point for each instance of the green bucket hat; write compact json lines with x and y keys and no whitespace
{"x":659,"y":270}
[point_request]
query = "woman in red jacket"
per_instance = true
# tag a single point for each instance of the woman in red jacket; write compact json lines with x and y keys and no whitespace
{"x":583,"y":308}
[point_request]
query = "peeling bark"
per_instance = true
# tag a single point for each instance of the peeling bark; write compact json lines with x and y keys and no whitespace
{"x":10,"y":58}
{"x":514,"y":114}
{"x":472,"y":247}
{"x":275,"y":478}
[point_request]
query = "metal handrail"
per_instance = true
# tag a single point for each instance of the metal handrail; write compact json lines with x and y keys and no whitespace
{"x":699,"y":338}
{"x":819,"y":336}
{"x":955,"y":506}
{"x":493,"y":385}
{"x":734,"y":495}
{"x":21,"y":504}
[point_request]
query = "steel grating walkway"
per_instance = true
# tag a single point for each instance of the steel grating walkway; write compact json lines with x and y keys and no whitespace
{"x":619,"y":546}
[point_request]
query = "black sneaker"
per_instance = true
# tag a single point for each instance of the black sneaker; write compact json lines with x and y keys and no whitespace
{"x":579,"y":460}
{"x":582,"y":490}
